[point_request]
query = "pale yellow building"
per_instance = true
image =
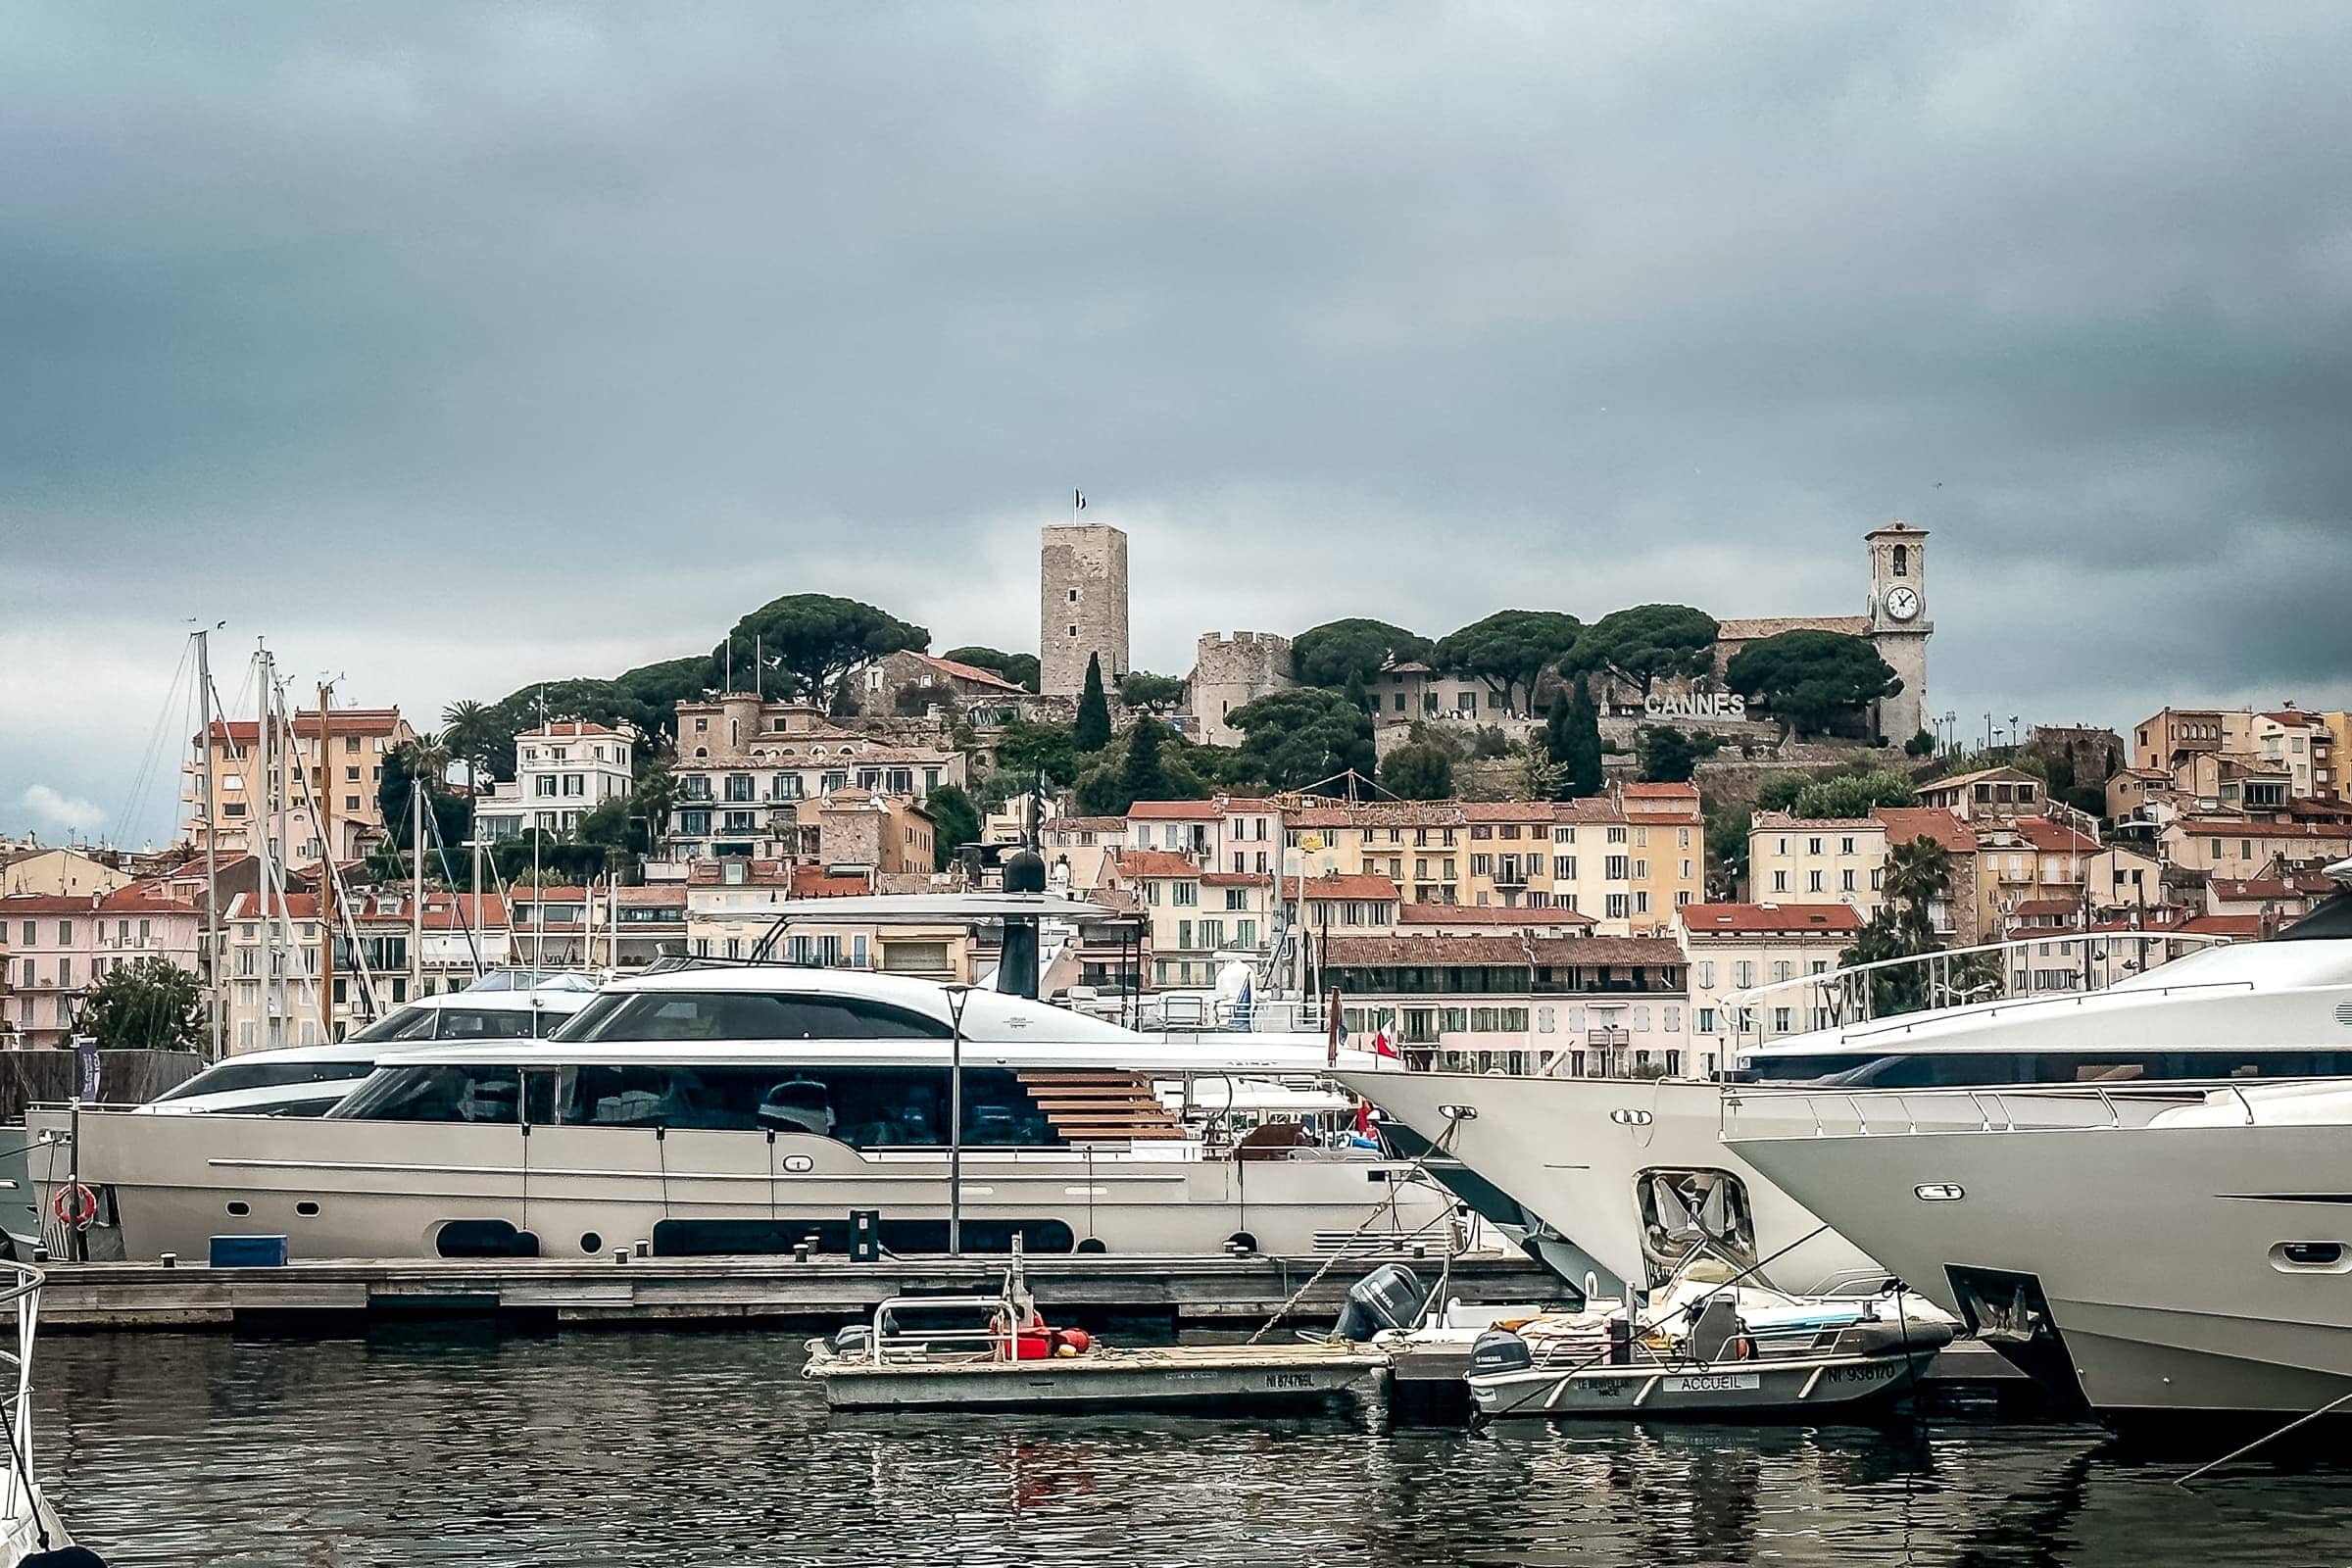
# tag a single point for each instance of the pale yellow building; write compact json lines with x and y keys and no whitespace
{"x":1733,"y":947}
{"x":334,"y":771}
{"x":57,"y":873}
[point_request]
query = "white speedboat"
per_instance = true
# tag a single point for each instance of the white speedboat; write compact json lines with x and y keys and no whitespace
{"x":308,"y":1079}
{"x":1600,"y":1173}
{"x":752,"y":1109}
{"x":2161,"y":1254}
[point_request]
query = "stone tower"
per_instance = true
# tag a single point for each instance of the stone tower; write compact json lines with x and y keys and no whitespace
{"x":1899,"y":627}
{"x":1082,"y":606}
{"x":1229,"y":673}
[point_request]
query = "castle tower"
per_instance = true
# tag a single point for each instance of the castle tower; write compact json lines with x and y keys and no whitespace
{"x":1082,"y":606}
{"x":1899,"y":627}
{"x":1229,"y":672}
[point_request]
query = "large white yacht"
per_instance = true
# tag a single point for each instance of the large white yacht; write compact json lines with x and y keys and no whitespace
{"x":744,"y":1109}
{"x":1617,"y":1178}
{"x":2157,"y":1254}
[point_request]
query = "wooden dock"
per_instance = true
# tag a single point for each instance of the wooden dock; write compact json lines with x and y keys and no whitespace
{"x":825,"y":1293}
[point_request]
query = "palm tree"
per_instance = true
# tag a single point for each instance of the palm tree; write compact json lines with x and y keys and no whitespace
{"x":428,"y":757}
{"x":467,"y":725}
{"x":1918,"y":872}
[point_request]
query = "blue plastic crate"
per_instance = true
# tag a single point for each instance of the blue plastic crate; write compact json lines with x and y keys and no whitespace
{"x":249,"y":1252}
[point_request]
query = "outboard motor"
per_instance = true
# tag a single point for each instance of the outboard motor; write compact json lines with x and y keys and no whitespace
{"x":1499,"y":1351}
{"x":1388,"y":1297}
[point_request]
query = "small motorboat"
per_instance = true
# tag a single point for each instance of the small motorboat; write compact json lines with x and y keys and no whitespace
{"x":1016,"y":1360}
{"x":1710,"y":1347}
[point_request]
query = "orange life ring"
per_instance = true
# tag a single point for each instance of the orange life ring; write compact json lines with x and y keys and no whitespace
{"x":74,"y":1204}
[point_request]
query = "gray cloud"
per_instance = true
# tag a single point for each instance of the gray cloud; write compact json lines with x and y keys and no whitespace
{"x":456,"y":347}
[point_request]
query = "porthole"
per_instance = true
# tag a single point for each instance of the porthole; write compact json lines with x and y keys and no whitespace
{"x":306,"y":1210}
{"x":2311,"y":1257}
{"x":590,"y":1242}
{"x":239,"y":1210}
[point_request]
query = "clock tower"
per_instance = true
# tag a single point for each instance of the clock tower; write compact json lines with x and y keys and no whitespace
{"x":1899,"y":627}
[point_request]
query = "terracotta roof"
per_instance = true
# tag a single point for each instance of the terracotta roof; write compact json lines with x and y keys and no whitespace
{"x":2048,"y":837}
{"x":1660,"y":791}
{"x":1507,"y":812}
{"x":1349,"y":885}
{"x":2005,"y":773}
{"x":1155,"y":863}
{"x":2293,"y":719}
{"x":2224,"y":925}
{"x":1904,"y":824}
{"x":2253,"y":888}
{"x":1409,"y":666}
{"x":1755,"y":629}
{"x":48,"y":904}
{"x":1744,"y":919}
{"x":1421,"y":913}
{"x":2256,"y":828}
{"x":1178,"y":811}
{"x":816,"y":882}
{"x":1235,"y":879}
{"x":971,"y":672}
{"x":345,"y":721}
{"x":2031,"y":908}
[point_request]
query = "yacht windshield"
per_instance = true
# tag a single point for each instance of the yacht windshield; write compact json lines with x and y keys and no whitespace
{"x":746,"y":1016}
{"x":232,"y":1076}
{"x":452,"y":1023}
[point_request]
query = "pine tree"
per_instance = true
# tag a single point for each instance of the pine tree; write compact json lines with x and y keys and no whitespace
{"x":1092,"y":731}
{"x":1142,"y":779}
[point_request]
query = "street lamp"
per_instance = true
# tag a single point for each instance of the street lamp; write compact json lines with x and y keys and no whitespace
{"x":959,"y":996}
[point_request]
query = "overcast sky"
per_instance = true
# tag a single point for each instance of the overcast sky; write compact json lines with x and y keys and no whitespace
{"x":452,"y":348}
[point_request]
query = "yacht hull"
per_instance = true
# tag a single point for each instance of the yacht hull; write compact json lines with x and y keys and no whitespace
{"x":2159,"y":1255}
{"x":1574,"y":1152}
{"x":391,"y":1190}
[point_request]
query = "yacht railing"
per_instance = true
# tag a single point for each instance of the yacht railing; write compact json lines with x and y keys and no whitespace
{"x":20,"y":1500}
{"x":1951,"y":977}
{"x":1777,"y":1112}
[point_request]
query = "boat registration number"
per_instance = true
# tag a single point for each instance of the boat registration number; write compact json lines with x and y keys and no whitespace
{"x":1290,"y":1380}
{"x":1714,"y":1382}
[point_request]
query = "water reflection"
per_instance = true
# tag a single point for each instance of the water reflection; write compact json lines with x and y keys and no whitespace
{"x":433,"y":1446}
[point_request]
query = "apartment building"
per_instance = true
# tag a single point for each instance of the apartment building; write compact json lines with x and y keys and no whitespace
{"x":604,"y":926}
{"x":55,"y":947}
{"x":1989,"y":793}
{"x":562,"y":771}
{"x":1234,"y":834}
{"x":332,"y":768}
{"x":1627,"y":860}
{"x":59,"y":872}
{"x":1192,"y":914}
{"x":1508,"y":1004}
{"x":1733,"y":947}
{"x":732,"y":907}
{"x":2241,"y":847}
{"x":745,"y":765}
{"x":1840,"y":860}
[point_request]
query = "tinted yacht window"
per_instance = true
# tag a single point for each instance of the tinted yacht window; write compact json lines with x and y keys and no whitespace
{"x":234,"y":1075}
{"x":438,"y":1093}
{"x":747,"y":1016}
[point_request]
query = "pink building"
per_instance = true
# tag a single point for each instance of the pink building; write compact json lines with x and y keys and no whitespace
{"x":52,"y":949}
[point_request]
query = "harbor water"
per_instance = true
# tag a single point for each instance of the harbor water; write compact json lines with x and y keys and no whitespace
{"x":435,"y":1445}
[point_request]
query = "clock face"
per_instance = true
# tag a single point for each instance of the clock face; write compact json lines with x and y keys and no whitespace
{"x":1904,"y":602}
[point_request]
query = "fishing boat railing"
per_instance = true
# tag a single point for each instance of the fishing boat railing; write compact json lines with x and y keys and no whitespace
{"x":20,"y":1290}
{"x":1000,"y":1339}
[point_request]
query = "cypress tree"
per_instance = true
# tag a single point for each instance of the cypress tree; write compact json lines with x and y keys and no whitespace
{"x":1092,"y":731}
{"x":1142,"y":779}
{"x":1356,"y":692}
{"x":1579,"y":732}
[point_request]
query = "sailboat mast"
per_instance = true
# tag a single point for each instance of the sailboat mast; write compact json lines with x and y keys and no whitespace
{"x":324,"y":807}
{"x":415,"y":882}
{"x":214,"y":1044}
{"x":265,"y":835}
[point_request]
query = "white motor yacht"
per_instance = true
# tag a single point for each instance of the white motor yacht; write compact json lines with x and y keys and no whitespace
{"x":1605,"y":1176}
{"x":308,"y":1079}
{"x":752,"y":1108}
{"x":2156,"y":1254}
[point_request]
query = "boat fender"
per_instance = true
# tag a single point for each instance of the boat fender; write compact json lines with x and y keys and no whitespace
{"x":1072,"y":1342}
{"x":1743,"y":1348}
